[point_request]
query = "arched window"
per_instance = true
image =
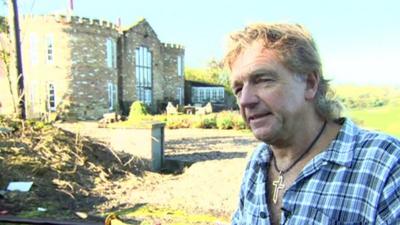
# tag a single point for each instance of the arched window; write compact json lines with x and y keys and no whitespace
{"x":143,"y":62}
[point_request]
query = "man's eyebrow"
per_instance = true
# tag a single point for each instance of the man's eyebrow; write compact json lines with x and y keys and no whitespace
{"x":262,"y":72}
{"x":256,"y":74}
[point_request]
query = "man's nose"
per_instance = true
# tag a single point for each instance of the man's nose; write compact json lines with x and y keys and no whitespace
{"x":248,"y":97}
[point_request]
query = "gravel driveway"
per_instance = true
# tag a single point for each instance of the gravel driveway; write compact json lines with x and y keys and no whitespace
{"x":210,"y":184}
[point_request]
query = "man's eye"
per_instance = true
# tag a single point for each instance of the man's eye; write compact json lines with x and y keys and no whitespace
{"x":263,"y":80}
{"x":237,"y":91}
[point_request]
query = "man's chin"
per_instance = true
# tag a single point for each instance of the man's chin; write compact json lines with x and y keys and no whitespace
{"x":261,"y":135}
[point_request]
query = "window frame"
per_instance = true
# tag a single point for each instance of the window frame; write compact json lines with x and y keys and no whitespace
{"x":179,"y":65}
{"x":111,"y":53}
{"x":52,"y":88}
{"x":144,"y":74}
{"x":50,"y":48}
{"x":213,"y":94}
{"x":179,"y":95}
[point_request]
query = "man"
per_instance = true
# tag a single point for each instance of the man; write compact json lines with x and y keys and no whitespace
{"x":313,"y":166}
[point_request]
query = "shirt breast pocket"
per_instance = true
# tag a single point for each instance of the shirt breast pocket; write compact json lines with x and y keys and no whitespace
{"x":317,"y":217}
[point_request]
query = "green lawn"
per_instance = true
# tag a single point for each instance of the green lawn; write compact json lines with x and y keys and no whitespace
{"x":386,"y":118}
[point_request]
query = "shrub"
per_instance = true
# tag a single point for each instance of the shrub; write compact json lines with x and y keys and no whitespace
{"x":222,"y":120}
{"x":225,"y":121}
{"x":238,"y":122}
{"x":36,"y":124}
{"x":177,"y":121}
{"x":197,"y":122}
{"x":160,"y":118}
{"x":137,"y":110}
{"x":209,"y":121}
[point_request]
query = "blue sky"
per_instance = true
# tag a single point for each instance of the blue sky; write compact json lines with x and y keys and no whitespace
{"x":359,"y":41}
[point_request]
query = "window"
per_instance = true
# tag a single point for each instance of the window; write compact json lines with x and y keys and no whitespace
{"x":180,"y":65}
{"x":52,"y":98}
{"x":50,"y":49}
{"x":201,"y":94}
{"x":143,"y":71}
{"x":179,"y":95}
{"x":214,"y":94}
{"x":33,"y":50}
{"x":221,"y":94}
{"x":111,"y":53}
{"x":206,"y":94}
{"x":195,"y":95}
{"x":112,"y":95}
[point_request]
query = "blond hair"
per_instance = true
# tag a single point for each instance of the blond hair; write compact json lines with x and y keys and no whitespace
{"x":297,"y":51}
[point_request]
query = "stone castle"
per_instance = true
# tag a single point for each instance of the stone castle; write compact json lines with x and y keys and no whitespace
{"x":83,"y":68}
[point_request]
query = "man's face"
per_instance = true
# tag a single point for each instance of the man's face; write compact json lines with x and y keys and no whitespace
{"x":271,"y":98}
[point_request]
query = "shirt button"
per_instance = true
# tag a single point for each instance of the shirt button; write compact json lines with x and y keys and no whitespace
{"x":263,"y":215}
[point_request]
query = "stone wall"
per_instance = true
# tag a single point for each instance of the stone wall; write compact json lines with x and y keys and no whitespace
{"x":174,"y":81}
{"x":164,"y":70}
{"x":90,"y":73}
{"x":38,"y":72}
{"x":140,"y":34}
{"x":80,"y":72}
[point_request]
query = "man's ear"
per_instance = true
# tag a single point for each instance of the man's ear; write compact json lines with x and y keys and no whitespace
{"x":312,"y":84}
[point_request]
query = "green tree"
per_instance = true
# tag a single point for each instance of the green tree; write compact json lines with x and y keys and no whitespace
{"x":3,"y":21}
{"x":196,"y":74}
{"x":214,"y":73}
{"x":3,"y":25}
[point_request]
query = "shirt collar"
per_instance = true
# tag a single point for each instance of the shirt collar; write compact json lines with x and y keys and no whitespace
{"x":341,"y":149}
{"x":263,"y":154}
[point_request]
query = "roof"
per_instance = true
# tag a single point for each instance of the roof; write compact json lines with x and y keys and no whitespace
{"x":142,"y":22}
{"x":201,"y":84}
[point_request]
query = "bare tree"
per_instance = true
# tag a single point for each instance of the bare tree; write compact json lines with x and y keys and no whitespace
{"x":5,"y":60}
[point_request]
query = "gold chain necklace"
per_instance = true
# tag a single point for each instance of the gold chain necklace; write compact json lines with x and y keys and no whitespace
{"x":278,"y":184}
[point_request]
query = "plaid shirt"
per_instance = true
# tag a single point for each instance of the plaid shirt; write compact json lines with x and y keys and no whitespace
{"x":356,"y":180}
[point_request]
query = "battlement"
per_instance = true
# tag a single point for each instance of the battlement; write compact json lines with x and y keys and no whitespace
{"x":173,"y":46}
{"x":73,"y":20}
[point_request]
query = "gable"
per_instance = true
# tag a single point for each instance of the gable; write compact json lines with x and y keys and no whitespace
{"x":143,"y":27}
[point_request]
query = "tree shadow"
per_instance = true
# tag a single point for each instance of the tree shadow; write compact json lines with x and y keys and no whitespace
{"x":176,"y":164}
{"x":207,"y":156}
{"x":207,"y":144}
{"x":181,"y":154}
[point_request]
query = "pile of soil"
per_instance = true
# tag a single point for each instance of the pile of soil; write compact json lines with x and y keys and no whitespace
{"x":69,"y":172}
{"x":80,"y":167}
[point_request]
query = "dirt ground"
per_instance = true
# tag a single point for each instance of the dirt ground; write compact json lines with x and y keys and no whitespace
{"x":210,"y":184}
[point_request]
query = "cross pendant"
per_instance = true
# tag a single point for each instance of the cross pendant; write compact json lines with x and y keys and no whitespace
{"x":278,"y":185}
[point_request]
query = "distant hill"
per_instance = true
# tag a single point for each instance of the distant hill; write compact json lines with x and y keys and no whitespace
{"x":372,"y":107}
{"x":358,"y":97}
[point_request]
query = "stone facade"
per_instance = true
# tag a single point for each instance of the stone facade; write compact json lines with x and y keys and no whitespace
{"x":164,"y":74}
{"x":82,"y":68}
{"x":171,"y":75}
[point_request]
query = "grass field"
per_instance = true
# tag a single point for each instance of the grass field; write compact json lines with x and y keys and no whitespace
{"x":386,"y":118}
